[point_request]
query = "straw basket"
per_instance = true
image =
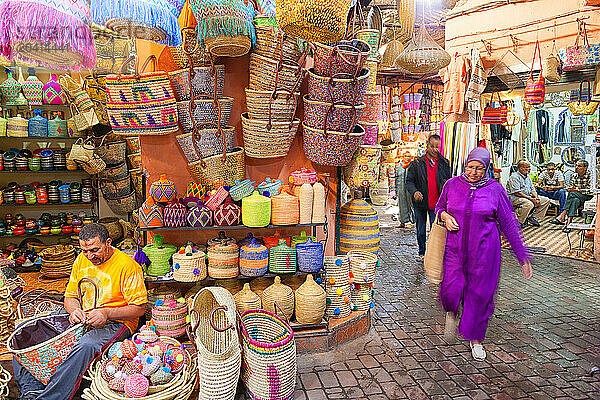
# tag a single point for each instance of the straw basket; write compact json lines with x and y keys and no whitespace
{"x":170,"y":318}
{"x":282,"y":295}
{"x":331,"y":147}
{"x":269,"y":355}
{"x":269,"y":75}
{"x":280,"y":105}
{"x":163,"y":293}
{"x":36,"y":303}
{"x":116,"y":188}
{"x":338,"y":301}
{"x":337,"y":269}
{"x":213,"y":318}
{"x":207,"y":142}
{"x":282,"y":258}
{"x":392,"y":51}
{"x":285,"y":209}
{"x":189,"y":265}
{"x":265,"y":139}
{"x":271,"y":42}
{"x":228,"y":46}
{"x":310,"y":302}
{"x":112,"y":153}
{"x":370,"y":36}
{"x":200,"y":57}
{"x":232,"y":285}
{"x":309,"y":256}
{"x":314,"y":20}
{"x":246,"y":299}
{"x":223,"y":261}
{"x":204,"y":111}
{"x":362,"y":297}
{"x":359,"y":227}
{"x":259,"y":285}
{"x":339,"y":117}
{"x":213,"y":171}
{"x":206,"y":81}
{"x":363,"y":170}
{"x":362,"y":265}
{"x":254,"y":259}
{"x":117,"y":172}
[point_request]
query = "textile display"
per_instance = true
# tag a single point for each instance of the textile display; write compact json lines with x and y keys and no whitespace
{"x":53,"y":33}
{"x":477,"y":83}
{"x":455,"y":84}
{"x":146,"y":19}
{"x":459,"y":138}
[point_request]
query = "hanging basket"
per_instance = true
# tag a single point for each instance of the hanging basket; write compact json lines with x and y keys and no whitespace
{"x":203,"y":81}
{"x":271,"y":75}
{"x":393,"y":49}
{"x":204,"y":111}
{"x":273,"y":43}
{"x":423,"y":55}
{"x":280,"y":105}
{"x":217,"y":171}
{"x":331,"y":147}
{"x":123,"y":205}
{"x":267,"y":139}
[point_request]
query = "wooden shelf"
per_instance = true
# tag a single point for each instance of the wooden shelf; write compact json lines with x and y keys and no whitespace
{"x":26,"y":235}
{"x":86,"y":205}
{"x":226,"y":228}
{"x":54,"y":171}
{"x":37,"y":139}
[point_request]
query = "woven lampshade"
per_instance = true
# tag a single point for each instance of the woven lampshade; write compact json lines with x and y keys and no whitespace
{"x":392,"y":51}
{"x":423,"y":55}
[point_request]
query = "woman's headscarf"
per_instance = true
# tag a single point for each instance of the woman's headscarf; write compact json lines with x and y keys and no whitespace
{"x":482,"y":155}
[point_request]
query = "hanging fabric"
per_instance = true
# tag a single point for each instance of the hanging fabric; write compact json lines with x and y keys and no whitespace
{"x":477,"y":82}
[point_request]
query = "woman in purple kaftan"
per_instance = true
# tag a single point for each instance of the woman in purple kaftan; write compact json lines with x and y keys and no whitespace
{"x":473,"y":208}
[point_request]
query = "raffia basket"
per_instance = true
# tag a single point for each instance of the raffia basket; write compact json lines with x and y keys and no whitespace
{"x":310,"y":302}
{"x":272,"y":42}
{"x":362,"y":297}
{"x":282,"y":295}
{"x":264,"y":140}
{"x":266,"y":75}
{"x":223,"y":261}
{"x":285,"y":209}
{"x":163,"y":293}
{"x":215,"y":336}
{"x":338,"y":301}
{"x":392,"y":51}
{"x":337,"y":269}
{"x":281,"y":105}
{"x":170,"y":318}
{"x":259,"y":285}
{"x":189,"y":266}
{"x":362,"y":266}
{"x":212,"y":171}
{"x":246,"y":299}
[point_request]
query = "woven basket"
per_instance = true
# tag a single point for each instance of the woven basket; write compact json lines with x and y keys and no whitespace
{"x":362,"y":266}
{"x":362,"y":297}
{"x":268,"y":140}
{"x":116,"y":188}
{"x":223,"y":261}
{"x":258,"y":285}
{"x":272,"y":42}
{"x":207,"y":81}
{"x":170,"y":318}
{"x":208,"y":142}
{"x":159,"y":254}
{"x":309,"y":256}
{"x":359,"y":227}
{"x":321,"y":21}
{"x":370,"y":36}
{"x":347,"y":57}
{"x":256,"y":210}
{"x":189,"y":265}
{"x":213,"y":317}
{"x":339,"y":117}
{"x":200,"y":57}
{"x":338,"y":88}
{"x":394,"y":49}
{"x":331,"y":148}
{"x":213,"y":172}
{"x":163,"y":293}
{"x":285,"y":209}
{"x":372,"y":109}
{"x":363,"y":170}
{"x":233,"y":285}
{"x":282,"y":295}
{"x":254,"y":259}
{"x":282,"y":258}
{"x":310,"y":302}
{"x":338,"y":301}
{"x":280,"y":105}
{"x":337,"y":269}
{"x":216,"y":198}
{"x":123,"y":205}
{"x":246,"y":300}
{"x":205,"y":112}
{"x":269,"y":355}
{"x":268,"y":74}
{"x":116,"y":172}
{"x":112,"y":153}
{"x":228,"y":46}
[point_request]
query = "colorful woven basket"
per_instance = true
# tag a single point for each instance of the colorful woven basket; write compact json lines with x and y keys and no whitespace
{"x":339,"y":117}
{"x":241,"y":189}
{"x":163,"y":293}
{"x":285,"y":209}
{"x":371,"y":112}
{"x":282,"y":258}
{"x":347,"y":57}
{"x":302,"y":176}
{"x":205,"y":112}
{"x":338,"y":88}
{"x":163,"y":190}
{"x":206,"y":81}
{"x":270,"y":75}
{"x":272,"y":42}
{"x":331,"y":148}
{"x":174,"y":215}
{"x":170,"y":318}
{"x":254,"y":259}
{"x":359,"y":227}
{"x":228,"y":214}
{"x":363,"y":170}
{"x":337,"y":269}
{"x":189,"y":265}
{"x":267,"y":139}
{"x":223,"y":261}
{"x":256,"y":210}
{"x":338,"y":301}
{"x":150,"y":214}
{"x":280,"y":106}
{"x":199,"y":216}
{"x":309,"y":256}
{"x":216,"y":198}
{"x":362,"y":296}
{"x":363,"y":266}
{"x":206,"y":142}
{"x":159,"y":254}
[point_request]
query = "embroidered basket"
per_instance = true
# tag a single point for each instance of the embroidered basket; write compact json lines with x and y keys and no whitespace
{"x":141,"y":104}
{"x":213,"y":171}
{"x":331,"y":147}
{"x":267,"y":139}
{"x":268,"y":74}
{"x":189,"y":265}
{"x":228,"y":214}
{"x":310,"y":301}
{"x":363,"y":170}
{"x":170,"y":318}
{"x":223,"y":261}
{"x":282,"y":258}
{"x":272,"y":42}
{"x":309,"y":256}
{"x":217,"y":197}
{"x":254,"y":259}
{"x":206,"y":81}
{"x":199,"y":216}
{"x":174,"y":215}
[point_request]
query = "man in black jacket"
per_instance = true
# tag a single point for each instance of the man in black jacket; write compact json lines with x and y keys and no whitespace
{"x":425,"y":178}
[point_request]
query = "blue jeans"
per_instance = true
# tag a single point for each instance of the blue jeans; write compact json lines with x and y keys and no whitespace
{"x":421,"y":222}
{"x":560,"y":195}
{"x":66,"y":380}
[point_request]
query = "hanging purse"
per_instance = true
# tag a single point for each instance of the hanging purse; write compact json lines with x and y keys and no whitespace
{"x":434,"y":253}
{"x":82,"y":151}
{"x":494,"y":115}
{"x":581,"y":107}
{"x":552,"y":65}
{"x":535,"y":90}
{"x":577,"y":57}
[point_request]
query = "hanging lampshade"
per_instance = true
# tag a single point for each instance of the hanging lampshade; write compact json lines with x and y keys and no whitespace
{"x":53,"y":33}
{"x":154,"y":20}
{"x":423,"y":55}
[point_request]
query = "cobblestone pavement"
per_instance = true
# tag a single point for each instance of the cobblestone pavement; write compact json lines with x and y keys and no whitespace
{"x":542,"y":340}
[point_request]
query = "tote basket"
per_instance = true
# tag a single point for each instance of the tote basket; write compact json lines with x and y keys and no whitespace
{"x":314,"y":20}
{"x":341,"y":116}
{"x":207,"y":142}
{"x":198,"y":81}
{"x":268,"y":74}
{"x":112,"y":153}
{"x":141,"y":104}
{"x":269,"y":352}
{"x":273,"y":43}
{"x":189,"y":47}
{"x":535,"y":90}
{"x":112,"y":189}
{"x":581,"y":106}
{"x":117,"y":172}
{"x":215,"y":337}
{"x":552,"y":66}
{"x":217,"y":171}
{"x":280,"y":106}
{"x":338,"y":88}
{"x":347,"y":57}
{"x":580,"y":56}
{"x":123,"y":205}
{"x":434,"y":252}
{"x":204,"y":111}
{"x":495,"y":115}
{"x":38,"y":303}
{"x":267,"y":139}
{"x":363,"y":265}
{"x":42,"y":344}
{"x":94,"y":166}
{"x":330,"y":147}
{"x":170,"y":318}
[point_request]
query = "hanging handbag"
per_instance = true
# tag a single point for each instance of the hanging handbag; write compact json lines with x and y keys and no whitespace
{"x":434,"y":252}
{"x":82,"y":151}
{"x":552,"y":66}
{"x":535,"y":90}
{"x":141,"y":104}
{"x":581,"y":107}
{"x":512,"y":118}
{"x":494,"y":115}
{"x":577,"y":57}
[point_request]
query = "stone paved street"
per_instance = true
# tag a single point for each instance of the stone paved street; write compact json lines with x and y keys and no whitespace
{"x":542,"y":341}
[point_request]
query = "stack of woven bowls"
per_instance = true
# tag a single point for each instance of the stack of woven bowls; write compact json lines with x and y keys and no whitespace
{"x":338,"y":286}
{"x":115,"y":179}
{"x":269,"y":126}
{"x":57,"y":261}
{"x":334,"y":103}
{"x":368,"y":116}
{"x":363,"y":266}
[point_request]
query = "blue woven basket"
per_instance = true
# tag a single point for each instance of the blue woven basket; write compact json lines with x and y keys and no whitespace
{"x":241,"y":189}
{"x":38,"y":125}
{"x":309,"y":256}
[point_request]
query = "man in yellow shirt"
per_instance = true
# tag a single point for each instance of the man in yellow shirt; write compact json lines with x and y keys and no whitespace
{"x":121,"y":300}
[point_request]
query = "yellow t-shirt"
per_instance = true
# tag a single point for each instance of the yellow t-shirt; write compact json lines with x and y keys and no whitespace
{"x":119,"y":280}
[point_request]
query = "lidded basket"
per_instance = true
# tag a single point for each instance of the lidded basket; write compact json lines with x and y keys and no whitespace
{"x":223,"y":261}
{"x":285,"y":209}
{"x":246,"y":299}
{"x":310,"y":302}
{"x":282,"y":258}
{"x":256,"y":210}
{"x":254,"y":259}
{"x":189,"y":264}
{"x":159,"y":254}
{"x":279,"y":299}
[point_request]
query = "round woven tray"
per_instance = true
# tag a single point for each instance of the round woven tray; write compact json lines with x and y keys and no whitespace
{"x":228,"y":46}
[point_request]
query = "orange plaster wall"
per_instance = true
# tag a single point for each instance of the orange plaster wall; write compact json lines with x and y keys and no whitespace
{"x":162,"y":155}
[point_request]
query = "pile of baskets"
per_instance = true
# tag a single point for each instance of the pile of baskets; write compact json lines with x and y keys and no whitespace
{"x":116,"y":179}
{"x":337,"y":269}
{"x":269,"y":126}
{"x":57,"y":261}
{"x":363,"y":266}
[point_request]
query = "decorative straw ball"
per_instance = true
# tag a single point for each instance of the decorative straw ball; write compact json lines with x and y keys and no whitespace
{"x":131,"y":367}
{"x":162,"y":376}
{"x":118,"y":382}
{"x":115,"y":350}
{"x":246,"y":299}
{"x":174,"y":358}
{"x":148,"y":334}
{"x":150,"y":365}
{"x":109,"y":369}
{"x":136,"y":385}
{"x":129,"y":349}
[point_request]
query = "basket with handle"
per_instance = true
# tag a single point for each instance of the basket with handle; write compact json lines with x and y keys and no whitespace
{"x":269,"y":352}
{"x":220,"y":169}
{"x":116,"y":172}
{"x":347,"y":57}
{"x":42,"y":352}
{"x":170,"y":318}
{"x":268,"y":139}
{"x":270,"y":74}
{"x":204,"y":110}
{"x":272,"y":42}
{"x":116,"y":188}
{"x":38,"y":303}
{"x":200,"y":56}
{"x":124,"y":204}
{"x":279,"y":105}
{"x":215,"y":337}
{"x":112,"y":153}
{"x":342,"y":116}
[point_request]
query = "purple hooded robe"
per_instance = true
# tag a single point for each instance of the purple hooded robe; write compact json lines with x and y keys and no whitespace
{"x":472,"y":258}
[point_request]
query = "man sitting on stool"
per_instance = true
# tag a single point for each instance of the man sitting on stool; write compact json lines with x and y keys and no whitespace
{"x":551,"y":183}
{"x":579,"y":192}
{"x":524,"y":197}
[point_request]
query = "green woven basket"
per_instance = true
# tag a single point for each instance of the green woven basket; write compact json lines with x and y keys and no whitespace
{"x":159,"y":254}
{"x":282,"y":258}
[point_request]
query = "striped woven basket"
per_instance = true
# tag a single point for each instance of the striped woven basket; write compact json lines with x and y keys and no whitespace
{"x":208,"y":143}
{"x":223,"y":261}
{"x":268,"y":140}
{"x":362,"y":296}
{"x":163,"y":293}
{"x":272,"y":42}
{"x":268,"y":74}
{"x":337,"y":269}
{"x":112,"y":153}
{"x":280,"y":105}
{"x":201,"y":81}
{"x":363,"y":266}
{"x":189,"y":265}
{"x":285,"y":209}
{"x":254,"y":259}
{"x":338,"y":301}
{"x":170,"y":318}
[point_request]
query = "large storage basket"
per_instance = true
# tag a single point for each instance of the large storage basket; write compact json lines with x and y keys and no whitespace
{"x":362,"y":265}
{"x":264,"y":139}
{"x":170,"y":318}
{"x":273,"y":43}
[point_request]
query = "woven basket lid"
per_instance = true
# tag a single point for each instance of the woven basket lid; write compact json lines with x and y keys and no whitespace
{"x":278,"y":289}
{"x":219,"y":239}
{"x":246,"y":296}
{"x":188,"y":252}
{"x":258,"y":285}
{"x":253,"y":246}
{"x":310,"y":288}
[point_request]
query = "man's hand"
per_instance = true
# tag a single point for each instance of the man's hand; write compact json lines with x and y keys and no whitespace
{"x":97,"y":318}
{"x":527,"y":270}
{"x":535,"y":201}
{"x":77,"y":316}
{"x":418,"y":196}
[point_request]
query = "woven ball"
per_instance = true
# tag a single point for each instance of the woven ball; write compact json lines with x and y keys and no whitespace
{"x":150,"y":365}
{"x":117,"y":383}
{"x":136,"y":385}
{"x":139,"y":344}
{"x":131,"y":367}
{"x":129,"y":349}
{"x":115,"y":350}
{"x":109,"y":368}
{"x":164,"y":346}
{"x":147,"y":334}
{"x":162,"y":376}
{"x":154,"y":350}
{"x":174,"y":358}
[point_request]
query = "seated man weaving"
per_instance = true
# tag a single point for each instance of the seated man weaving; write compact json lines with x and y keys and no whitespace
{"x":121,"y":301}
{"x":579,"y":191}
